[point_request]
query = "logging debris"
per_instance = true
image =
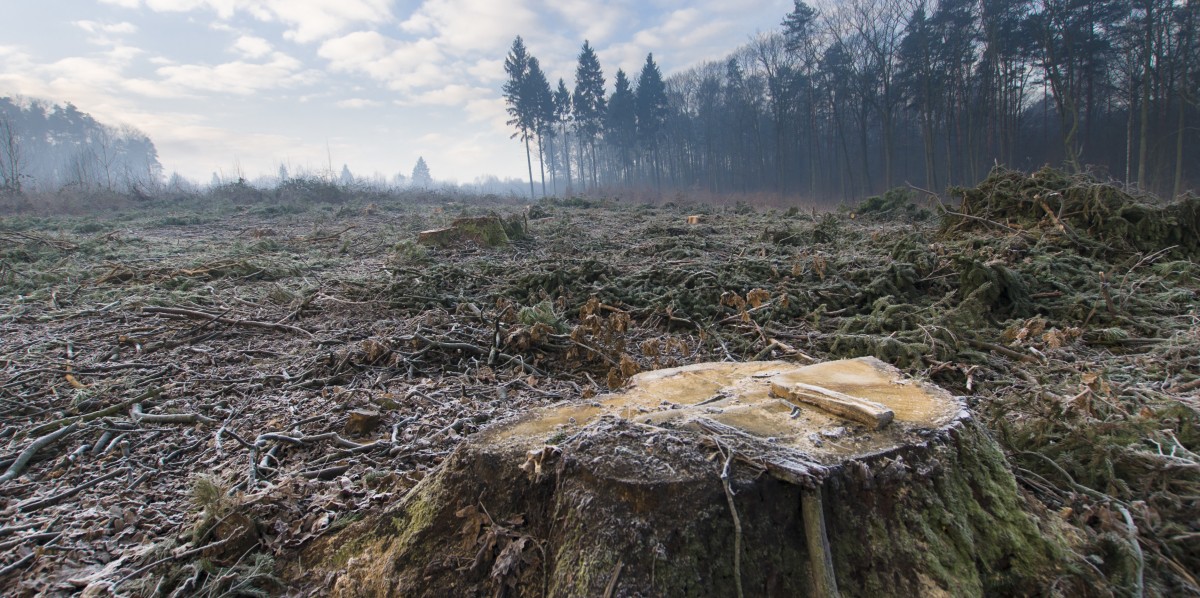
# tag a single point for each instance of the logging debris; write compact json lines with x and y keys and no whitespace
{"x":1076,"y":347}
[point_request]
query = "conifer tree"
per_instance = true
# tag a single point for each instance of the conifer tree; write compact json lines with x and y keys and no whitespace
{"x":621,"y":122}
{"x":652,"y":110}
{"x":588,"y":103}
{"x":420,"y":174}
{"x":536,"y":93}
{"x":516,"y":96}
{"x":562,"y":113}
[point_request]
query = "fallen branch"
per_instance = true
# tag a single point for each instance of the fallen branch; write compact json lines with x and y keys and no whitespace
{"x":737,"y":521}
{"x":49,"y":501}
{"x":180,"y":555}
{"x":21,"y":562}
{"x":1005,"y":351}
{"x":326,"y":473}
{"x":333,"y":236}
{"x":87,"y":417}
{"x":26,"y":455}
{"x":189,"y":313}
{"x":12,"y":529}
{"x":167,"y":418}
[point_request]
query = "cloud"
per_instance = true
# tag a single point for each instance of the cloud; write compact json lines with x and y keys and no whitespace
{"x":401,"y":65}
{"x":110,"y":28}
{"x":357,"y":103}
{"x":462,"y":26}
{"x":252,"y":47}
{"x":489,"y":110}
{"x":450,"y":95}
{"x":239,"y":77}
{"x":306,"y":20}
{"x":594,"y":24}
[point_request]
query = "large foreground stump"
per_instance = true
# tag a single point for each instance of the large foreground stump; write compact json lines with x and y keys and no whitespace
{"x":713,"y":480}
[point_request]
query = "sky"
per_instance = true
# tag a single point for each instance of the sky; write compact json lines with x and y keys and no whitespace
{"x":241,"y":86}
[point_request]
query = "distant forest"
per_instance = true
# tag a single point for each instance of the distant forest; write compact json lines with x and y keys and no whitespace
{"x":854,"y":97}
{"x":47,"y":147}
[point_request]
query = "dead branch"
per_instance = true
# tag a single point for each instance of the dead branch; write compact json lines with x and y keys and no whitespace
{"x":23,"y":459}
{"x":167,"y":418}
{"x":87,"y":417}
{"x":49,"y":501}
{"x":189,"y":313}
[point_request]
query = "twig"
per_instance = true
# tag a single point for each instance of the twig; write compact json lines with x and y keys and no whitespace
{"x":21,"y":562}
{"x":1005,"y":351}
{"x":87,"y":417}
{"x":26,"y":455}
{"x":984,"y":220}
{"x":737,"y":521}
{"x":49,"y":501}
{"x":612,"y":580}
{"x":476,"y":349}
{"x":181,"y":555}
{"x":326,"y":473}
{"x":12,"y":529}
{"x":223,"y":431}
{"x":167,"y":418}
{"x":1131,"y":527}
{"x":188,"y":313}
{"x":333,"y":236}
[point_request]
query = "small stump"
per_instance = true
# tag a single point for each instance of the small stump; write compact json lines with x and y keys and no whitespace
{"x":489,"y":231}
{"x":702,"y":479}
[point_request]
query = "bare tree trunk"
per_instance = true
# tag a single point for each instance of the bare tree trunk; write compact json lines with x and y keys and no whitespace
{"x":10,"y":168}
{"x":567,"y":156}
{"x":529,"y":164}
{"x":1144,"y":142}
{"x":542,"y":164}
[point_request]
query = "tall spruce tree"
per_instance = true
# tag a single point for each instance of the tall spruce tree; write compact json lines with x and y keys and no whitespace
{"x":562,"y":113}
{"x":516,"y":96}
{"x":588,"y":104}
{"x":621,"y":124}
{"x":652,"y":111}
{"x":537,"y":94}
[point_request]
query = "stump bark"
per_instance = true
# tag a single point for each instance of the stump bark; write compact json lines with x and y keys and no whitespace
{"x":488,"y":231}
{"x":712,"y":480}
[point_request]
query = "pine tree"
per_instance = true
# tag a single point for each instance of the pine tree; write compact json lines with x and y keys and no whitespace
{"x":516,"y":96}
{"x":562,"y":114}
{"x":621,"y":122}
{"x":588,"y":102}
{"x":536,"y":92}
{"x":421,"y":178}
{"x":652,"y":111}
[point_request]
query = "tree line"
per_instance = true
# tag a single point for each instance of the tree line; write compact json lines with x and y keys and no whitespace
{"x":47,"y":147}
{"x":854,"y":97}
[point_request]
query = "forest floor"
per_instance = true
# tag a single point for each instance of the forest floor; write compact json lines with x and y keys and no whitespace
{"x":164,"y":372}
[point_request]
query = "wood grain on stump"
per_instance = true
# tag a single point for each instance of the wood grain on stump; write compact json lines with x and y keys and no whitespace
{"x":716,"y":479}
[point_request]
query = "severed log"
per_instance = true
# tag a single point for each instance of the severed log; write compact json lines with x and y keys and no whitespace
{"x":662,"y":483}
{"x":874,"y":415}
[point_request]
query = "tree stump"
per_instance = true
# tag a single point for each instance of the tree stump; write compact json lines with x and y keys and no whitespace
{"x":488,"y":231}
{"x":714,"y":479}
